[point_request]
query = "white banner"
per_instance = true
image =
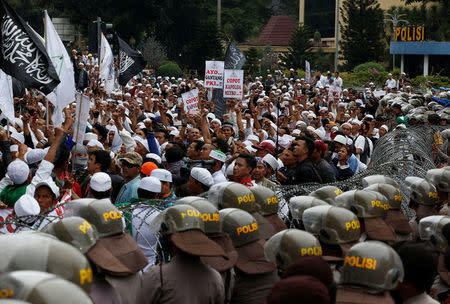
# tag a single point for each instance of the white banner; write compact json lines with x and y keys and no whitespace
{"x":6,"y":214}
{"x":214,"y":74}
{"x":106,"y":65}
{"x":64,"y":93}
{"x":233,"y":84}
{"x":6,"y":97}
{"x":81,"y":118}
{"x":190,"y":100}
{"x":308,"y":71}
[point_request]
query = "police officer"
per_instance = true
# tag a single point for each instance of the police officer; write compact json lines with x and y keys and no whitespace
{"x":370,"y":207}
{"x":43,"y":252}
{"x":255,"y":276}
{"x":370,"y":270}
{"x":287,"y":245}
{"x":116,"y":255}
{"x":234,"y":195}
{"x":185,"y":279}
{"x":327,"y":193}
{"x":395,"y":217}
{"x":40,"y":287}
{"x":440,"y":178}
{"x":298,"y":204}
{"x":378,"y":179}
{"x":267,"y":202}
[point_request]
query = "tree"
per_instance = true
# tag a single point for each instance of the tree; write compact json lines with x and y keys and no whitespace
{"x":154,"y":52}
{"x":252,"y":63}
{"x":269,"y":58}
{"x":362,"y":31}
{"x":299,"y":48}
{"x":317,"y":38}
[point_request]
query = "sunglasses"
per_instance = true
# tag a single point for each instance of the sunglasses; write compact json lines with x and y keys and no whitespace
{"x":128,"y":165}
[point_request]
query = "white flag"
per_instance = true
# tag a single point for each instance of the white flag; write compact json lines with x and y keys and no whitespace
{"x":307,"y":71}
{"x":64,"y":93}
{"x":81,"y":118}
{"x":106,"y":65}
{"x":6,"y":97}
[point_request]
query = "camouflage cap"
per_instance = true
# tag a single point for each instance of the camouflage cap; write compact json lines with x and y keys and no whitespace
{"x":298,"y":205}
{"x":378,"y":179}
{"x":392,"y":194}
{"x":209,"y":214}
{"x":333,"y":225}
{"x":41,"y":288}
{"x":430,"y":229}
{"x":100,"y":213}
{"x":36,"y":252}
{"x":75,"y":231}
{"x":421,"y":191}
{"x":240,"y":225}
{"x":265,"y":199}
{"x":289,"y":244}
{"x":372,"y":265}
{"x":232,"y":195}
{"x":440,"y":178}
{"x":132,"y":157}
{"x":327,"y":193}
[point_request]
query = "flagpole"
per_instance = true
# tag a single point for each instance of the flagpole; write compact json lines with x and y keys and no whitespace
{"x":78,"y":126}
{"x":46,"y":114}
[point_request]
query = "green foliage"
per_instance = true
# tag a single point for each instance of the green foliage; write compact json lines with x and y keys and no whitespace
{"x":299,"y":48}
{"x":322,"y":61}
{"x":154,"y":52}
{"x":369,"y":65}
{"x":437,"y":80}
{"x":169,"y":68}
{"x":362,"y":31}
{"x":252,"y":64}
{"x":269,"y":59}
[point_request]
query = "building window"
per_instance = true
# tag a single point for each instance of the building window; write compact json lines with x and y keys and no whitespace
{"x":320,"y":16}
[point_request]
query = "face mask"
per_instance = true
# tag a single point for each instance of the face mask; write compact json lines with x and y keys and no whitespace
{"x":81,"y":162}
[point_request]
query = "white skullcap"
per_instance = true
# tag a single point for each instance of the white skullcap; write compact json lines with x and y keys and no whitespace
{"x":90,"y":136}
{"x":151,"y":184}
{"x":50,"y":184}
{"x":271,"y":161}
{"x":18,"y":171}
{"x":162,"y":174}
{"x":385,"y":127}
{"x":34,"y":156}
{"x":320,"y":133}
{"x":210,"y":116}
{"x":217,"y":120}
{"x":100,"y":182}
{"x":14,"y":148}
{"x":144,"y":142}
{"x":296,"y":132}
{"x":95,"y":143}
{"x":202,"y":176}
{"x":340,"y":139}
{"x":27,"y":205}
{"x":18,"y":136}
{"x":154,"y":156}
{"x":253,"y":137}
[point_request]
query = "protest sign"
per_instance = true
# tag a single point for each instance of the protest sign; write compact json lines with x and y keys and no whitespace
{"x":6,"y":214}
{"x":82,"y":112}
{"x":190,"y":100}
{"x":214,"y":74}
{"x":233,"y":84}
{"x":307,"y":71}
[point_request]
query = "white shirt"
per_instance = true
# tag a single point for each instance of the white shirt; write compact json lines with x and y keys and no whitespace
{"x":423,"y":298}
{"x":219,"y":177}
{"x":391,"y":83}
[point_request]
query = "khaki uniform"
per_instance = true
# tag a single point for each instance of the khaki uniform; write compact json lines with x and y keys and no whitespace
{"x":253,"y":289}
{"x":185,"y":279}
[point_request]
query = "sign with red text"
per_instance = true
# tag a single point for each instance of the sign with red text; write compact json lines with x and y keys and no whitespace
{"x":233,"y":85}
{"x":5,"y":215}
{"x":190,"y":100}
{"x":214,"y":74}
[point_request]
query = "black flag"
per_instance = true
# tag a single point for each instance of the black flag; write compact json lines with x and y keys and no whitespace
{"x":131,"y":62}
{"x":23,"y":55}
{"x":234,"y":60}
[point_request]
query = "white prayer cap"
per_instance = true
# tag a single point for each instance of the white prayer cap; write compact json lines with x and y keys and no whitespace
{"x":340,"y":139}
{"x":162,"y":174}
{"x":230,"y":169}
{"x":27,"y":205}
{"x":95,"y":143}
{"x":100,"y":182}
{"x":310,"y":128}
{"x":296,"y":132}
{"x":320,"y":133}
{"x":151,"y":184}
{"x":210,"y":116}
{"x":154,"y":156}
{"x":218,"y":155}
{"x":271,"y":161}
{"x":14,"y":148}
{"x":202,"y":176}
{"x":174,"y":132}
{"x":385,"y":127}
{"x":217,"y":120}
{"x":142,"y":141}
{"x":253,"y":137}
{"x":18,"y":171}
{"x":35,"y":155}
{"x":90,"y":136}
{"x":18,"y":136}
{"x":50,"y":184}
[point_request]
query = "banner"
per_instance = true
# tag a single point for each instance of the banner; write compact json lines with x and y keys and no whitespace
{"x":234,"y":59}
{"x":233,"y":84}
{"x":81,"y":118}
{"x":6,"y":214}
{"x":106,"y":65}
{"x":23,"y":55}
{"x":307,"y":71}
{"x":6,"y":97}
{"x":64,"y":94}
{"x":214,"y":74}
{"x":190,"y":100}
{"x":131,"y":62}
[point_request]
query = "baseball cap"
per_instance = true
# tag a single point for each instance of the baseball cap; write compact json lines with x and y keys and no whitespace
{"x":162,"y":174}
{"x":287,"y":245}
{"x":148,"y":167}
{"x":326,"y":193}
{"x":132,"y":158}
{"x":265,"y":146}
{"x":75,"y":231}
{"x":40,"y":288}
{"x":115,"y":252}
{"x":100,"y":182}
{"x":203,"y":176}
{"x":243,"y":230}
{"x":151,"y":184}
{"x":27,"y":205}
{"x":35,"y":251}
{"x":18,"y":171}
{"x":186,"y":229}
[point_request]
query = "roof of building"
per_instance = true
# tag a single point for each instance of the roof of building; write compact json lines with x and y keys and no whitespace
{"x":278,"y":31}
